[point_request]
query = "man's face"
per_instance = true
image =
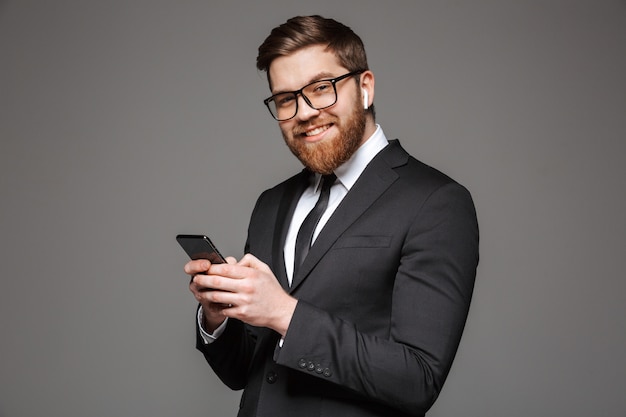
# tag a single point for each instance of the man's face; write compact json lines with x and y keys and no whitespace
{"x":321,"y":139}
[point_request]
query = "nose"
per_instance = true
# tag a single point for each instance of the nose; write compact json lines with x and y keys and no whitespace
{"x":305,"y":111}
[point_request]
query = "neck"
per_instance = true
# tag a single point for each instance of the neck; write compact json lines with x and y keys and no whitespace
{"x":370,"y":128}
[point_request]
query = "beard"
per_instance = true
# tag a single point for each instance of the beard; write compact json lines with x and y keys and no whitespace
{"x":325,"y":156}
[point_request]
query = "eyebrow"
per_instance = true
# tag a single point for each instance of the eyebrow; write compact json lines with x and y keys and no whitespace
{"x":324,"y":75}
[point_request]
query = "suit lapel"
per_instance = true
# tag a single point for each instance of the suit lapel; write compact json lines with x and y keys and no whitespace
{"x":373,"y":182}
{"x":286,"y":208}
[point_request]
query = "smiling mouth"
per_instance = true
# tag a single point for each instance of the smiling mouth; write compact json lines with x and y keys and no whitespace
{"x":317,"y":130}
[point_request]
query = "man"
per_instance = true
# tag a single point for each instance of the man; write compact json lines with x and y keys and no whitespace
{"x":366,"y":320}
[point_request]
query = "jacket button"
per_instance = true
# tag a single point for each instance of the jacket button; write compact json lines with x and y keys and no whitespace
{"x":271,"y":377}
{"x":319,"y":369}
{"x":310,"y":366}
{"x":328,"y":373}
{"x":302,"y":363}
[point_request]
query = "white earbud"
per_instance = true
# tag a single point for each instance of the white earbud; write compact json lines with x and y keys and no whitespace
{"x":366,"y":99}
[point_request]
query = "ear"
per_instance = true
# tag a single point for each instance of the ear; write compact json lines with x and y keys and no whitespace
{"x":367,"y":88}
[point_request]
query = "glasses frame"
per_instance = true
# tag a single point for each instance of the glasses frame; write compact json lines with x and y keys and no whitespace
{"x":300,"y":92}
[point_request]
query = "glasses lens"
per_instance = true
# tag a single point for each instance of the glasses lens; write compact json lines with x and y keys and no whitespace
{"x":283,"y":106}
{"x":320,"y":94}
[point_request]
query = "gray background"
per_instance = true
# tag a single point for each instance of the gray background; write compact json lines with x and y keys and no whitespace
{"x":123,"y":123}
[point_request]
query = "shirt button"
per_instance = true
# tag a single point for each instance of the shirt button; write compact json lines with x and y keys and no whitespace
{"x":271,"y":377}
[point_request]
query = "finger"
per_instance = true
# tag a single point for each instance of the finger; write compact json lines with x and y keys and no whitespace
{"x":200,"y":283}
{"x":233,"y":271}
{"x":252,"y":261}
{"x":197,"y":266}
{"x":217,"y":282}
{"x":231,"y":260}
{"x":196,"y":288}
{"x":217,"y":299}
{"x":196,"y":291}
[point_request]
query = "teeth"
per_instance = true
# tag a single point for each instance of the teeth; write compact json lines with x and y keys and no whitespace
{"x":316,"y":131}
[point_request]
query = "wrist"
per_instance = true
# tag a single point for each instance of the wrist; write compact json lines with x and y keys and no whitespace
{"x":283,"y":320}
{"x":210,"y":323}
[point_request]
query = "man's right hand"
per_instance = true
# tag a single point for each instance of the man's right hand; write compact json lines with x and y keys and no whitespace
{"x":213,"y":312}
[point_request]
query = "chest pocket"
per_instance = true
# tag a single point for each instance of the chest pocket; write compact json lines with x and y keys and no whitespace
{"x":363,"y":242}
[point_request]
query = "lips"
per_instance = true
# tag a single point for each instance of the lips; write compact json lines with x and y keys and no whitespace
{"x":316,"y":131}
{"x":312,"y":132}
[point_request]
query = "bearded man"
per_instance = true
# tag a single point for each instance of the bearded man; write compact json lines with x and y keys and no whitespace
{"x":358,"y":274}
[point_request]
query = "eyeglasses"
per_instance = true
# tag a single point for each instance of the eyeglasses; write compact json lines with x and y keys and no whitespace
{"x":318,"y":95}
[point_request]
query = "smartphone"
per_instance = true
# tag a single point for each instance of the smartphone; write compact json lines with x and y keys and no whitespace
{"x":200,"y":247}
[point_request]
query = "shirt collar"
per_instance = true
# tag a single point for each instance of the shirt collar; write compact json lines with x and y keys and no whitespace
{"x":351,"y":170}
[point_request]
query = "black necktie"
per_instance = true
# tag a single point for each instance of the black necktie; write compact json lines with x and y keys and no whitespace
{"x":305,"y":234}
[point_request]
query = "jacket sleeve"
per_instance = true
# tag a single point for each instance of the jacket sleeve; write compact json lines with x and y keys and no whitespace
{"x":431,"y":295}
{"x":231,"y":354}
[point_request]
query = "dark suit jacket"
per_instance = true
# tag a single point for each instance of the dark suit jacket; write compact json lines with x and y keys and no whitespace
{"x":383,"y":298}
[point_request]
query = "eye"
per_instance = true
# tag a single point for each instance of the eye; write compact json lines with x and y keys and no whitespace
{"x":284,"y":100}
{"x":322,"y":87}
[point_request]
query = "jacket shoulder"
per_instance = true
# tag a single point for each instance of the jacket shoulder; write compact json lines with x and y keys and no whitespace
{"x":412,"y":172}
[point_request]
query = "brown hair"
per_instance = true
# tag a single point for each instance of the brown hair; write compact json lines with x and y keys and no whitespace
{"x":302,"y":31}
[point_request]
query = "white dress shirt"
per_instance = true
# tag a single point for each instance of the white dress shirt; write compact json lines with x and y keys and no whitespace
{"x":347,"y":175}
